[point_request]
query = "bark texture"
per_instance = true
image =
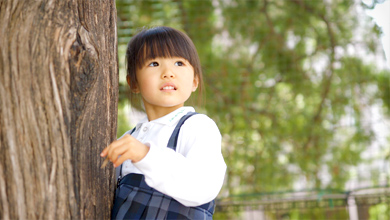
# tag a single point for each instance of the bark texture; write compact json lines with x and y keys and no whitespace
{"x":58,"y":108}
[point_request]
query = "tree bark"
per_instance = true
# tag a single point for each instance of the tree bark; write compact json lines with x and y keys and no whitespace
{"x":58,"y":108}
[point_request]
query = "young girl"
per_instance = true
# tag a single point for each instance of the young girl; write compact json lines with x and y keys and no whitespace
{"x":170,"y":164}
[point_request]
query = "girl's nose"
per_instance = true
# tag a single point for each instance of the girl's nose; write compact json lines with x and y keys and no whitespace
{"x":167,"y":73}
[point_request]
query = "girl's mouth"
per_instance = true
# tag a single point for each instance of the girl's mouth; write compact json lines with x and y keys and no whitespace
{"x":168,"y":87}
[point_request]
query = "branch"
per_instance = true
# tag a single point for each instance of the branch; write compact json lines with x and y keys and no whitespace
{"x":328,"y":81}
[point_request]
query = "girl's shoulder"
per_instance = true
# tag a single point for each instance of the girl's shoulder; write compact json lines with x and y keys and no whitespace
{"x":200,"y":118}
{"x":200,"y":123}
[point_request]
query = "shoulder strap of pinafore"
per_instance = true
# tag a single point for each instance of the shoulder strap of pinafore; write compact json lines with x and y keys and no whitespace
{"x":171,"y":143}
{"x":175,"y":134}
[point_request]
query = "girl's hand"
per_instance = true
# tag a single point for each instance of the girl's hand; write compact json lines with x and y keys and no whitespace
{"x":127,"y":148}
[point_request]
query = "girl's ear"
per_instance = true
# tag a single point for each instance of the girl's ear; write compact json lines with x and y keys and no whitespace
{"x":133,"y":86}
{"x":196,"y":83}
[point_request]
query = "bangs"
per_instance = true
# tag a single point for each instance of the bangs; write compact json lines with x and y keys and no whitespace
{"x":165,"y":44}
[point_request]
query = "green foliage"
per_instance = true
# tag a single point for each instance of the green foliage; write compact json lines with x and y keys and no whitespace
{"x":383,"y":79}
{"x":123,"y":122}
{"x":380,"y":211}
{"x":289,"y":97}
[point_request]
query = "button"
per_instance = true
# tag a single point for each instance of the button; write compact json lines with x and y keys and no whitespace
{"x":145,"y":129}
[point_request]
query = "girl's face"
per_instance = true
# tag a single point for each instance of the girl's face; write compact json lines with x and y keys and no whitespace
{"x":165,"y":82}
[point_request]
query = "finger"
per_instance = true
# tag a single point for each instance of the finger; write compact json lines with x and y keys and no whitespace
{"x":121,"y":159}
{"x":107,"y":149}
{"x":118,"y":143}
{"x":119,"y":152}
{"x":112,"y":148}
{"x":104,"y":152}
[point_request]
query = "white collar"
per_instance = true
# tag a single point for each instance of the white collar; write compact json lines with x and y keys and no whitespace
{"x":169,"y":119}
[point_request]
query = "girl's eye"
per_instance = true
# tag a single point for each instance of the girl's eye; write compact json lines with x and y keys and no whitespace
{"x":179,"y":63}
{"x":153,"y":64}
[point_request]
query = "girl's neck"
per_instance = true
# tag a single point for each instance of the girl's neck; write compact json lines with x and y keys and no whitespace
{"x":154,"y":113}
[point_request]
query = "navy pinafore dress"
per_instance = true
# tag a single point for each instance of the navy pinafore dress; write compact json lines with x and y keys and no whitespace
{"x":134,"y":199}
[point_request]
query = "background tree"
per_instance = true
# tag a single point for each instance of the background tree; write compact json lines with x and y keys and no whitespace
{"x":292,"y":86}
{"x":286,"y":83}
{"x":58,"y":108}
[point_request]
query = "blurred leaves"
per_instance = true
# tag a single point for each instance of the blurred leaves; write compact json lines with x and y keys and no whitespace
{"x":283,"y":82}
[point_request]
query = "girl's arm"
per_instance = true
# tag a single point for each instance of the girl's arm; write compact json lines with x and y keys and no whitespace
{"x":197,"y":176}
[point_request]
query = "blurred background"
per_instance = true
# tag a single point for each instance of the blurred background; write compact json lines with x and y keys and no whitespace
{"x":300,"y":90}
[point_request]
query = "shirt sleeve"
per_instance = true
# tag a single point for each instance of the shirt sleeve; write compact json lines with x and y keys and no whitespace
{"x":194,"y":177}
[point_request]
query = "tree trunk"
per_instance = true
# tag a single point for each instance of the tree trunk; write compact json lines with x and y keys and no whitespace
{"x":58,"y":108}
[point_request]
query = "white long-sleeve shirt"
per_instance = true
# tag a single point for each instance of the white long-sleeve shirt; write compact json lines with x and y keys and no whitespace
{"x":193,"y":175}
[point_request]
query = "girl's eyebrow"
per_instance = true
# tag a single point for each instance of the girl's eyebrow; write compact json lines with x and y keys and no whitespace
{"x":181,"y":59}
{"x":146,"y":62}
